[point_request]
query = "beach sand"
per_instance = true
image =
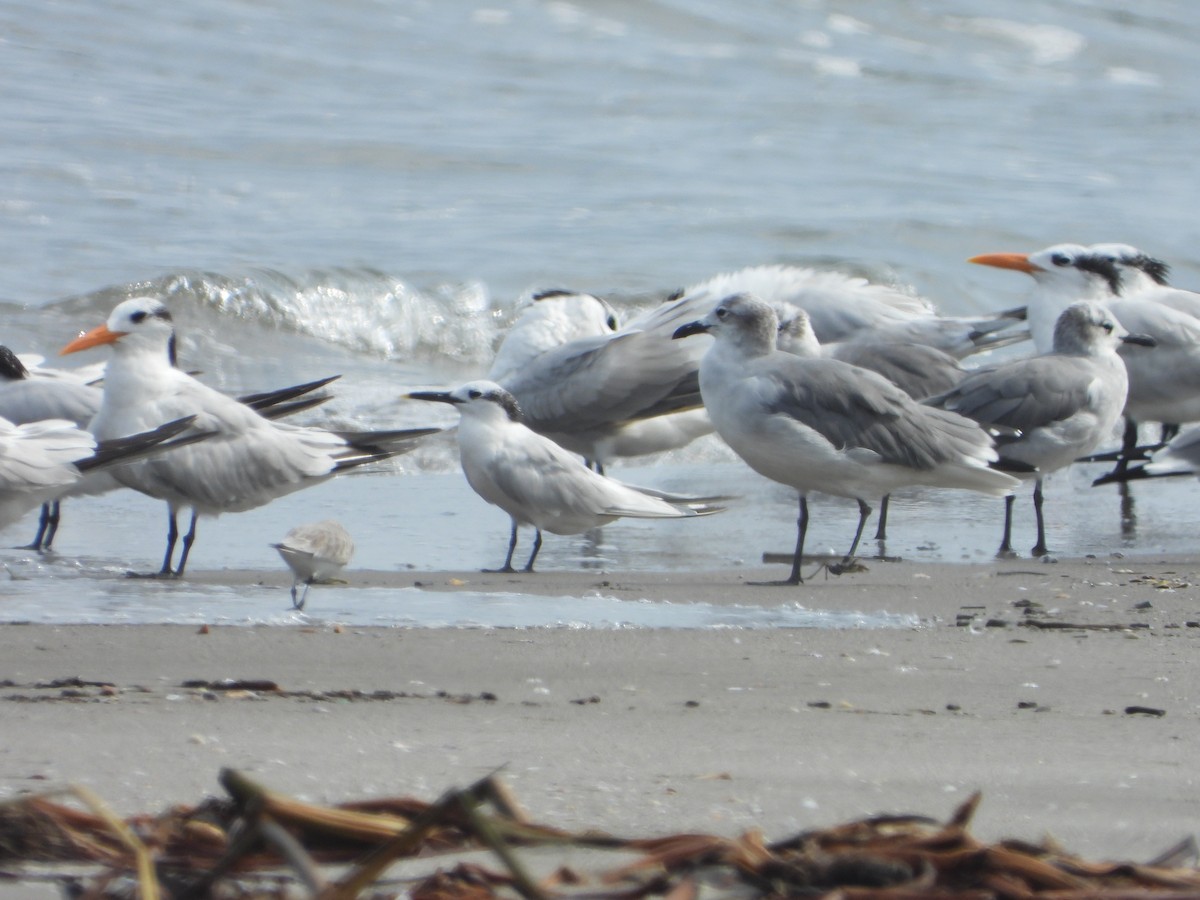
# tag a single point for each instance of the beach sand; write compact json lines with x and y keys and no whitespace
{"x":1084,"y":733}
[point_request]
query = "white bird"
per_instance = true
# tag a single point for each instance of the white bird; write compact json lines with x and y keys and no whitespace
{"x":843,"y":308}
{"x":536,"y":481}
{"x":1052,"y":408}
{"x":824,"y":425}
{"x":315,"y":552}
{"x":1164,"y":383}
{"x":549,"y":320}
{"x":39,"y":461}
{"x":26,"y":397}
{"x":249,"y":461}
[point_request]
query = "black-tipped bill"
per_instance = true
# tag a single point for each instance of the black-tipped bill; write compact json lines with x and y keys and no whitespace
{"x":689,"y":329}
{"x":1142,"y":340}
{"x":436,"y":396}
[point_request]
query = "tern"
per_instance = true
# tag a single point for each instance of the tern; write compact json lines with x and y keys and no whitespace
{"x":1052,"y":408}
{"x":249,"y":462}
{"x":535,"y":480}
{"x":39,"y":461}
{"x":315,"y":552}
{"x":824,"y":425}
{"x":1164,"y":383}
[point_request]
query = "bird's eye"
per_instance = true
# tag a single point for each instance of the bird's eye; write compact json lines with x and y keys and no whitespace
{"x":138,"y":316}
{"x":1060,"y":259}
{"x":1107,"y":326}
{"x":612,"y":323}
{"x":722,"y":312}
{"x":474,"y":394}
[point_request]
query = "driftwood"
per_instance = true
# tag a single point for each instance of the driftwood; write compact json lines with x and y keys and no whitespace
{"x":258,"y":843}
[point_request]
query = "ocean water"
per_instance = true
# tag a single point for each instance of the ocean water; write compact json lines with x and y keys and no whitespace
{"x":373,"y":188}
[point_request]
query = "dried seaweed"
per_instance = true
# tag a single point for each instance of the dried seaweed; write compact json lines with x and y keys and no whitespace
{"x":258,"y":843}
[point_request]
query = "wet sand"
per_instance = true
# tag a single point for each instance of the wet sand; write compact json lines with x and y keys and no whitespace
{"x":1086,"y":733}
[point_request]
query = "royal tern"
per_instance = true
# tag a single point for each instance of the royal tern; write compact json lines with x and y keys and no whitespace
{"x":315,"y":552}
{"x":824,"y":425}
{"x":1164,"y":383}
{"x":250,"y":461}
{"x":1050,"y":409}
{"x":536,"y":481}
{"x":550,"y":319}
{"x":843,"y":308}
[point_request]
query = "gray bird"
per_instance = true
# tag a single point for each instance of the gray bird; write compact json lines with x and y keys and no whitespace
{"x":824,"y":425}
{"x":1053,"y":408}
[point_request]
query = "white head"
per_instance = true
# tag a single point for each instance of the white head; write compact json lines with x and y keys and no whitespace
{"x":1071,"y":269}
{"x":138,"y":323}
{"x":484,"y":399}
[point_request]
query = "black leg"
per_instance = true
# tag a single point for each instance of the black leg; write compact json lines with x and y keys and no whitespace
{"x":299,"y":604}
{"x":1039,"y":548}
{"x":537,"y":546}
{"x":1169,"y":430}
{"x":1006,"y":543}
{"x":188,"y":540}
{"x":52,"y":530}
{"x":1128,"y":447}
{"x":801,"y":531}
{"x":172,"y":537}
{"x":512,"y":546}
{"x":881,"y":526}
{"x":864,"y":513}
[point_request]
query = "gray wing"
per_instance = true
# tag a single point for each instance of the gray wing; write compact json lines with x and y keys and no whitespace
{"x":917,"y":369}
{"x":35,"y":399}
{"x":597,"y":381}
{"x":855,"y":408}
{"x":1023,"y":395}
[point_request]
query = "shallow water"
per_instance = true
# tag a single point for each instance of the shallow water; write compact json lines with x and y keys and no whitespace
{"x":372,"y":188}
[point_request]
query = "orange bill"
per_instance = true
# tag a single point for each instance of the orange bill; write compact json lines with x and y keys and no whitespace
{"x":94,"y":338}
{"x":1018,"y":261}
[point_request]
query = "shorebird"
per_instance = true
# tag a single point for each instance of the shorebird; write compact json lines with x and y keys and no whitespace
{"x":846,"y":308}
{"x":315,"y":552}
{"x":39,"y":461}
{"x":824,"y":425}
{"x":920,"y":370}
{"x":1164,"y":384}
{"x":536,"y":481}
{"x":1051,"y":409}
{"x":249,"y":462}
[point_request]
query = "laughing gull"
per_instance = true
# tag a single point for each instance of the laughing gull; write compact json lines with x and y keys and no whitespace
{"x":844,"y":307}
{"x":824,"y":425}
{"x":1054,"y":408}
{"x":315,"y":552}
{"x":250,"y":461}
{"x":1164,"y":383}
{"x":536,"y":481}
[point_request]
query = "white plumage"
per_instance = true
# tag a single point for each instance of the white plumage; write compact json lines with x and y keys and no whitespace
{"x":249,"y":461}
{"x":315,"y":552}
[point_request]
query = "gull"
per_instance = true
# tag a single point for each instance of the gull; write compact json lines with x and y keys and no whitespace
{"x":249,"y":461}
{"x":315,"y":552}
{"x":41,"y":460}
{"x":604,"y":394}
{"x":1051,"y":408}
{"x":535,"y":480}
{"x":550,"y":319}
{"x":824,"y":425}
{"x":1164,"y":384}
{"x":843,"y":307}
{"x":919,"y":370}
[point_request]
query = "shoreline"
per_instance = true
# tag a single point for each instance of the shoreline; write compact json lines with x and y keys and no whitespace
{"x":652,"y":731}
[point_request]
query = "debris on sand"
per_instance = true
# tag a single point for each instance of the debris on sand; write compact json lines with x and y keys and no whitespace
{"x":257,"y":843}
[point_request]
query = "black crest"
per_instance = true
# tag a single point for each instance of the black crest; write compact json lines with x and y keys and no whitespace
{"x":11,"y":367}
{"x":1103,"y":266}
